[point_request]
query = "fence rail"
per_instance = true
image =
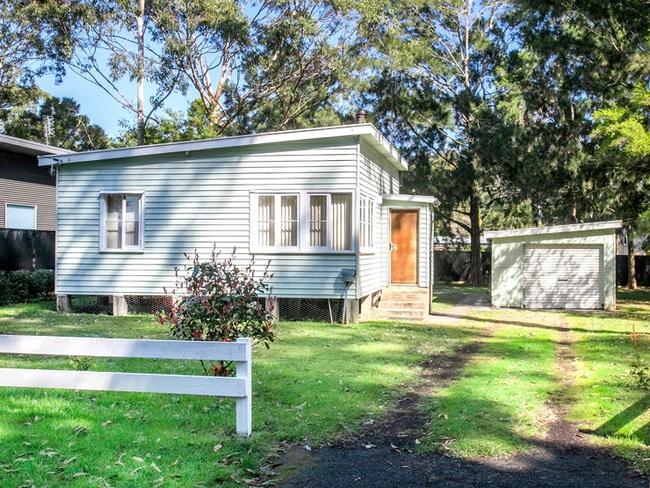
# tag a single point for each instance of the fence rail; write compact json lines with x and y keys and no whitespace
{"x":239,"y":387}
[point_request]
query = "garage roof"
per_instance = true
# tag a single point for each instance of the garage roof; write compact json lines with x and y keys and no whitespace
{"x":554,"y":229}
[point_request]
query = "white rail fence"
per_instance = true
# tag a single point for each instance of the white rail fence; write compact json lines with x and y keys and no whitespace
{"x":239,"y":387}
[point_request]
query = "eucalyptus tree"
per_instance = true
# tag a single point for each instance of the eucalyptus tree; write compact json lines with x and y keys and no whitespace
{"x":256,"y":65}
{"x":115,"y":44}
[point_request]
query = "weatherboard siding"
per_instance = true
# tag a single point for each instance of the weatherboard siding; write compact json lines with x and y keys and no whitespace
{"x":375,"y":180}
{"x":194,"y":202}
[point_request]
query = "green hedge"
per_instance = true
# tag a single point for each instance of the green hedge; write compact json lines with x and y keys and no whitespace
{"x":18,"y":286}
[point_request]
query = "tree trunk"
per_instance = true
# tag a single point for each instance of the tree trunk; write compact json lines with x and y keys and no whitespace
{"x":140,"y":75}
{"x":631,"y":262}
{"x":475,"y":262}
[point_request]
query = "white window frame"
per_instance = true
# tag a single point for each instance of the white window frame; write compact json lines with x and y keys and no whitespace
{"x":277,"y":208}
{"x":138,"y":248}
{"x":16,"y":204}
{"x":328,"y":222}
{"x":367,"y":225}
{"x":303,"y":246}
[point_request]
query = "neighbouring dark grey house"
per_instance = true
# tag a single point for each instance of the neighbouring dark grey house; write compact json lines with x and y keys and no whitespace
{"x":27,"y":191}
{"x":27,"y":205}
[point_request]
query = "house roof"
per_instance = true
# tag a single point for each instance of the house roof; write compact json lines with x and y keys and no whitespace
{"x":23,"y":146}
{"x":554,"y":229}
{"x":367,"y":132}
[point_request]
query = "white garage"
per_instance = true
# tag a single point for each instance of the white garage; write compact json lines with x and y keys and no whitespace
{"x":562,"y":266}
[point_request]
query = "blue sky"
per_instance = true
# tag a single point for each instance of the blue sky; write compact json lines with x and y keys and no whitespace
{"x":97,"y":105}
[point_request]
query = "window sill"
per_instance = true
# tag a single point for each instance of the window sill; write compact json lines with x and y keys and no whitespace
{"x":299,"y":251}
{"x":367,"y":251}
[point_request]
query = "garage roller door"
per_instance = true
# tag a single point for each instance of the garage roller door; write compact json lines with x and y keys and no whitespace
{"x":563,"y":277}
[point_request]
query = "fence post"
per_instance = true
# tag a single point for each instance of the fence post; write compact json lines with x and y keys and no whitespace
{"x":244,"y":406}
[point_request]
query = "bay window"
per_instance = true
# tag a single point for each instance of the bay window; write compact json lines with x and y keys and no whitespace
{"x":303,"y":222}
{"x":121,"y":222}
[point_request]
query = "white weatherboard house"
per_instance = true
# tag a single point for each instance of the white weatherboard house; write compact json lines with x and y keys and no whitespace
{"x":561,"y":266}
{"x":322,"y":204}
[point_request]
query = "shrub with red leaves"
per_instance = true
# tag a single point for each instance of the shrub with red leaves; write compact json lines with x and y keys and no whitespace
{"x":217,"y":300}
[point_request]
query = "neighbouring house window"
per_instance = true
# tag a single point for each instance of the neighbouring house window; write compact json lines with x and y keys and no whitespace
{"x":20,"y":216}
{"x":277,"y":221}
{"x":366,"y":222}
{"x":305,"y":221}
{"x":122,"y":221}
{"x":318,"y":221}
{"x":341,"y":221}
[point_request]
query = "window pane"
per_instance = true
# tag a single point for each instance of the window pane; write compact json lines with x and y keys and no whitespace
{"x":363,"y":224}
{"x":20,"y":217}
{"x":371,"y":223}
{"x":289,"y":220}
{"x":131,"y":220}
{"x":318,"y":220}
{"x":341,"y":221}
{"x":112,"y":234}
{"x":113,"y":223}
{"x":266,"y":220}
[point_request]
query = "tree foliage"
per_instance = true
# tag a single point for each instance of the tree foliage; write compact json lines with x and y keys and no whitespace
{"x":255,"y":66}
{"x":36,"y":37}
{"x":114,"y":43}
{"x":72,"y":129}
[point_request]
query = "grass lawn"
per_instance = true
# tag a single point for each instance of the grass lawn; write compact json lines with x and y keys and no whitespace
{"x":446,"y":296}
{"x":316,"y":382}
{"x":608,"y":399}
{"x":498,"y":403}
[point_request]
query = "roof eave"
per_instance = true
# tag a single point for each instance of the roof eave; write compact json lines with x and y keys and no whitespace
{"x":367,"y":131}
{"x":400,"y":197}
{"x":32,"y":148}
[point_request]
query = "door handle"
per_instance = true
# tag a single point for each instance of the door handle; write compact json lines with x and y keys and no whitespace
{"x":392,"y":247}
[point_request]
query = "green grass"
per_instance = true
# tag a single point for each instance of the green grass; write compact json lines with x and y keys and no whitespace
{"x":498,"y":404}
{"x":318,"y":381}
{"x":609,"y":400}
{"x":446,"y":296}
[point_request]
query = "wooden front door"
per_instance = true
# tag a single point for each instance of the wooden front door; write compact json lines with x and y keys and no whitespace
{"x":404,"y":247}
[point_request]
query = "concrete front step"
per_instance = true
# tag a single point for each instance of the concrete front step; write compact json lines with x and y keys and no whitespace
{"x":423,"y":304}
{"x":403,"y":303}
{"x":398,"y":292}
{"x":400,"y":314}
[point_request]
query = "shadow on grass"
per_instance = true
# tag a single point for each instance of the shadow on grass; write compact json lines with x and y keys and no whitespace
{"x":536,"y":325}
{"x":625,"y":417}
